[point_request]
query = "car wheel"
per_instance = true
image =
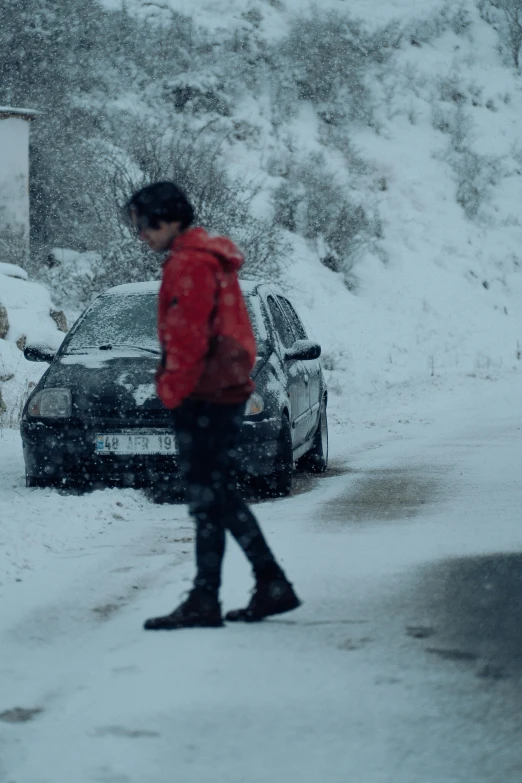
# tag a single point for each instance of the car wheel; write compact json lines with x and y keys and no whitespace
{"x":279,"y":483}
{"x":316,"y":460}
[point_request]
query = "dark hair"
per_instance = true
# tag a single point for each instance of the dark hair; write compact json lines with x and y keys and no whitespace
{"x":161,"y":201}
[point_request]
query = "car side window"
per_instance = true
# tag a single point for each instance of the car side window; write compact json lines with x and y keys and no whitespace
{"x":293,"y":318}
{"x":282,"y":327}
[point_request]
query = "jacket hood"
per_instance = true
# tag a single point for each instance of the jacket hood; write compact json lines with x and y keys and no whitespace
{"x":229,"y":256}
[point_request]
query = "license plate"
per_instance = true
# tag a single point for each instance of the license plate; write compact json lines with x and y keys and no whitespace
{"x":135,"y":443}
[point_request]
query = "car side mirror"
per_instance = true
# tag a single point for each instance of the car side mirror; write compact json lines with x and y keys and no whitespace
{"x":305,"y":350}
{"x":39,"y":353}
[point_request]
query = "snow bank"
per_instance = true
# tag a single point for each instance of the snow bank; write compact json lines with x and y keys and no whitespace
{"x":13,"y":270}
{"x":28,"y":308}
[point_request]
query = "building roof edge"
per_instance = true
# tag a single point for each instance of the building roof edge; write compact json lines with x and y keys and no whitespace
{"x":20,"y":113}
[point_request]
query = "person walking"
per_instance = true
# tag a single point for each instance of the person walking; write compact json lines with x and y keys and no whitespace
{"x":208,"y":352}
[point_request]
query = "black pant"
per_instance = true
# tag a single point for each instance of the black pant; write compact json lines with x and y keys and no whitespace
{"x":207,"y":436}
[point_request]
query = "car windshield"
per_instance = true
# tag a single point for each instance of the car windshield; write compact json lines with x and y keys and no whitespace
{"x":117,"y":320}
{"x":129,"y":320}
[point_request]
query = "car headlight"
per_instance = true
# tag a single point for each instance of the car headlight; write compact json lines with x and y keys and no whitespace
{"x":254,"y":405}
{"x":51,"y":403}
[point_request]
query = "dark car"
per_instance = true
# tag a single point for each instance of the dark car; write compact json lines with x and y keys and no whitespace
{"x":95,"y":415}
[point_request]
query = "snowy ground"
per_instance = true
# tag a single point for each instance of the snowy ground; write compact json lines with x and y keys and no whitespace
{"x":402,"y":666}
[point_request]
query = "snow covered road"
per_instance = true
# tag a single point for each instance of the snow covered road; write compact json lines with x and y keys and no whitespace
{"x":403,"y":665}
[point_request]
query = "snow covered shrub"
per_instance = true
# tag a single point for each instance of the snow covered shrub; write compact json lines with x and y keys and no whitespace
{"x":506,"y":17}
{"x":71,"y":276}
{"x":13,"y":244}
{"x":448,"y":114}
{"x":13,"y":395}
{"x":448,"y":18}
{"x":223,"y":204}
{"x":28,"y":314}
{"x":312,"y":203}
{"x":475,"y":174}
{"x":340,"y":139}
{"x":199,"y":94}
{"x":327,"y":59}
{"x":337,"y":363}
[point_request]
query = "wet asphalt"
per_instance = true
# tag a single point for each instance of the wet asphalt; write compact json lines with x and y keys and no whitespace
{"x":472,"y":611}
{"x":470,"y":607}
{"x":448,"y":632}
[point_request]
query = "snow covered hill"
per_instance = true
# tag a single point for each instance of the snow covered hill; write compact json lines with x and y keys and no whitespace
{"x":430,"y":282}
{"x":440,"y":289}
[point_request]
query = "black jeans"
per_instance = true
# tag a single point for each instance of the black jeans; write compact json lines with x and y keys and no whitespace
{"x":207,"y":436}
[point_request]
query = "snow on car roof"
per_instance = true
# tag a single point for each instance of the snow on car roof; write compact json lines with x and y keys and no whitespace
{"x":148,"y":287}
{"x":152,"y":287}
{"x":248,"y":286}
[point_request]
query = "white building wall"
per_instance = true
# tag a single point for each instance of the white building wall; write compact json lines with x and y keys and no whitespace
{"x":14,"y":187}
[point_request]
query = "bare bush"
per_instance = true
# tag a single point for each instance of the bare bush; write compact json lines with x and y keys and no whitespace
{"x":14,"y":246}
{"x":326,"y":60}
{"x":15,"y":388}
{"x":313,"y":204}
{"x":506,"y":15}
{"x":222,"y":205}
{"x":475,"y":174}
{"x":449,"y":18}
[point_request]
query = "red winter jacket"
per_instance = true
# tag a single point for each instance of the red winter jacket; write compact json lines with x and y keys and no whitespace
{"x":208,"y":345}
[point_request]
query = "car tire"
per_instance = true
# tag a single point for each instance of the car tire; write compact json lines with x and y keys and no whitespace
{"x":316,"y":460}
{"x":279,"y":483}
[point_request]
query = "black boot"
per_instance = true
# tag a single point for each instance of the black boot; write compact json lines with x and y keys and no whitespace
{"x":200,"y":610}
{"x":270,"y":597}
